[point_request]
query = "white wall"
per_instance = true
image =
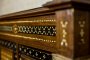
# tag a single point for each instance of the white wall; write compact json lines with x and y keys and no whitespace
{"x":10,"y":6}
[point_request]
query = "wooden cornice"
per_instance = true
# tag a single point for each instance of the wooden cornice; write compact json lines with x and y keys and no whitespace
{"x":79,"y":4}
{"x":27,"y":13}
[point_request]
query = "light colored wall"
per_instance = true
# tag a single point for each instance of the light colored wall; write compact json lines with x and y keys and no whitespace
{"x":10,"y":6}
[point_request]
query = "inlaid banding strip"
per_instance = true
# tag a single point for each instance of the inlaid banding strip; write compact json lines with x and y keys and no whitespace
{"x":31,"y":38}
{"x":31,"y":21}
{"x":40,"y":30}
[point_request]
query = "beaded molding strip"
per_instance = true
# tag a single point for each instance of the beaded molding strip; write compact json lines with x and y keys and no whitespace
{"x":31,"y":38}
{"x":31,"y":21}
{"x":35,"y":53}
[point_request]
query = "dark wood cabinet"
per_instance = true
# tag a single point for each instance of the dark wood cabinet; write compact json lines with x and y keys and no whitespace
{"x":59,"y":27}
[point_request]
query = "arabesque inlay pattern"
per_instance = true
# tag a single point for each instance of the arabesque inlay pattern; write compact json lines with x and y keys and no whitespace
{"x":64,"y":32}
{"x":82,"y":32}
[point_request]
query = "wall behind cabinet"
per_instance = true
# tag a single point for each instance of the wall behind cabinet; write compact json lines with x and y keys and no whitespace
{"x":10,"y":6}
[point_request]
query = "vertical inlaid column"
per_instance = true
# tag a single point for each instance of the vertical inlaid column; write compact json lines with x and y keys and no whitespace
{"x":65,"y":30}
{"x":73,"y":33}
{"x":81,"y":34}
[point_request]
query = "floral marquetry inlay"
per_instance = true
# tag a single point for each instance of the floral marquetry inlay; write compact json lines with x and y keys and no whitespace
{"x":64,"y":32}
{"x":64,"y":24}
{"x":82,"y":32}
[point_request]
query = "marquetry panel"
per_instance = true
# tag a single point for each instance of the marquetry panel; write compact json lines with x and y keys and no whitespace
{"x":31,"y":31}
{"x":44,"y":25}
{"x":65,"y":32}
